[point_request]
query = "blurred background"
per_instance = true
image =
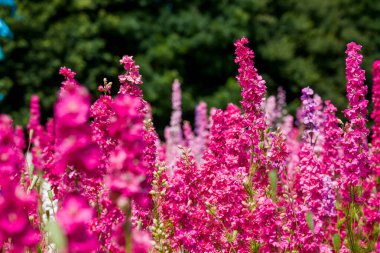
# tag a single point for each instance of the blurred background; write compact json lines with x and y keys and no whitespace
{"x":297,"y":43}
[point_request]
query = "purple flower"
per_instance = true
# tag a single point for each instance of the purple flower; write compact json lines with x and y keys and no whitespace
{"x":308,"y":112}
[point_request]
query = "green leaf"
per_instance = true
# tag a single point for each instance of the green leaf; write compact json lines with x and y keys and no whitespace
{"x":336,"y":242}
{"x":50,"y":194}
{"x":309,"y":220}
{"x":56,"y":235}
{"x":33,"y":183}
{"x":233,"y":235}
{"x":273,"y":183}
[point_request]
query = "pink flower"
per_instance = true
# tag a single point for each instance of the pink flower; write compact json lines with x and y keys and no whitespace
{"x":74,"y":212}
{"x":253,"y":92}
{"x":253,"y":86}
{"x":332,"y":150}
{"x":141,"y":241}
{"x":67,"y":73}
{"x":69,"y":77}
{"x":376,"y":117}
{"x":182,"y":204}
{"x":127,"y":171}
{"x":20,"y":138}
{"x":221,"y":180}
{"x":11,"y":157}
{"x":73,"y":108}
{"x":131,"y":80}
{"x":74,"y":144}
{"x":35,"y":114}
{"x":355,"y":147}
{"x":74,"y":217}
{"x":15,"y":208}
{"x":101,"y":112}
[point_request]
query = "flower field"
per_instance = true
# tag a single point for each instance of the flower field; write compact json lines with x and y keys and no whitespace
{"x":250,"y":178}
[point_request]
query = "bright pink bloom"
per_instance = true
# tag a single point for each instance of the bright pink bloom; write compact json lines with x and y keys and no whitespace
{"x":42,"y":143}
{"x":253,"y":92}
{"x":15,"y":208}
{"x":67,"y":73}
{"x":226,"y":164}
{"x":20,"y":138}
{"x":74,"y":217}
{"x":253,"y":86}
{"x":101,"y":112}
{"x":69,"y":77}
{"x":311,"y":179}
{"x":74,"y":146}
{"x":35,"y":114}
{"x":355,"y":147}
{"x":11,"y":157}
{"x":332,"y":150}
{"x":140,"y":241}
{"x":15,"y":204}
{"x":131,"y":80}
{"x":376,"y":117}
{"x":182,"y":204}
{"x":127,"y":171}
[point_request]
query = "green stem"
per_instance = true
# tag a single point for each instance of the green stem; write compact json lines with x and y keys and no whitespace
{"x":128,"y":230}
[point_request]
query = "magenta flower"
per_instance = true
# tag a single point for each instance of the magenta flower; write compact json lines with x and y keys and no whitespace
{"x":101,"y":112}
{"x":127,"y":171}
{"x":182,"y":204}
{"x":253,"y":92}
{"x":73,"y":109}
{"x":74,"y":212}
{"x":35,"y":114}
{"x":332,"y":150}
{"x":355,"y":147}
{"x":74,"y":146}
{"x":141,"y":241}
{"x":253,"y":86}
{"x":11,"y":158}
{"x":69,"y":77}
{"x":376,"y":117}
{"x":74,"y":217}
{"x":226,"y":164}
{"x":19,"y":138}
{"x":67,"y":73}
{"x":131,"y":80}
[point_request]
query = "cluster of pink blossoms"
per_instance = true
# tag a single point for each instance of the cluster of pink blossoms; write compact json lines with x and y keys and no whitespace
{"x":376,"y":116}
{"x":18,"y":228}
{"x":96,"y":177}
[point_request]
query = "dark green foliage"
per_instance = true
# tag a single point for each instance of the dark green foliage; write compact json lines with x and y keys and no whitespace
{"x":297,"y":43}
